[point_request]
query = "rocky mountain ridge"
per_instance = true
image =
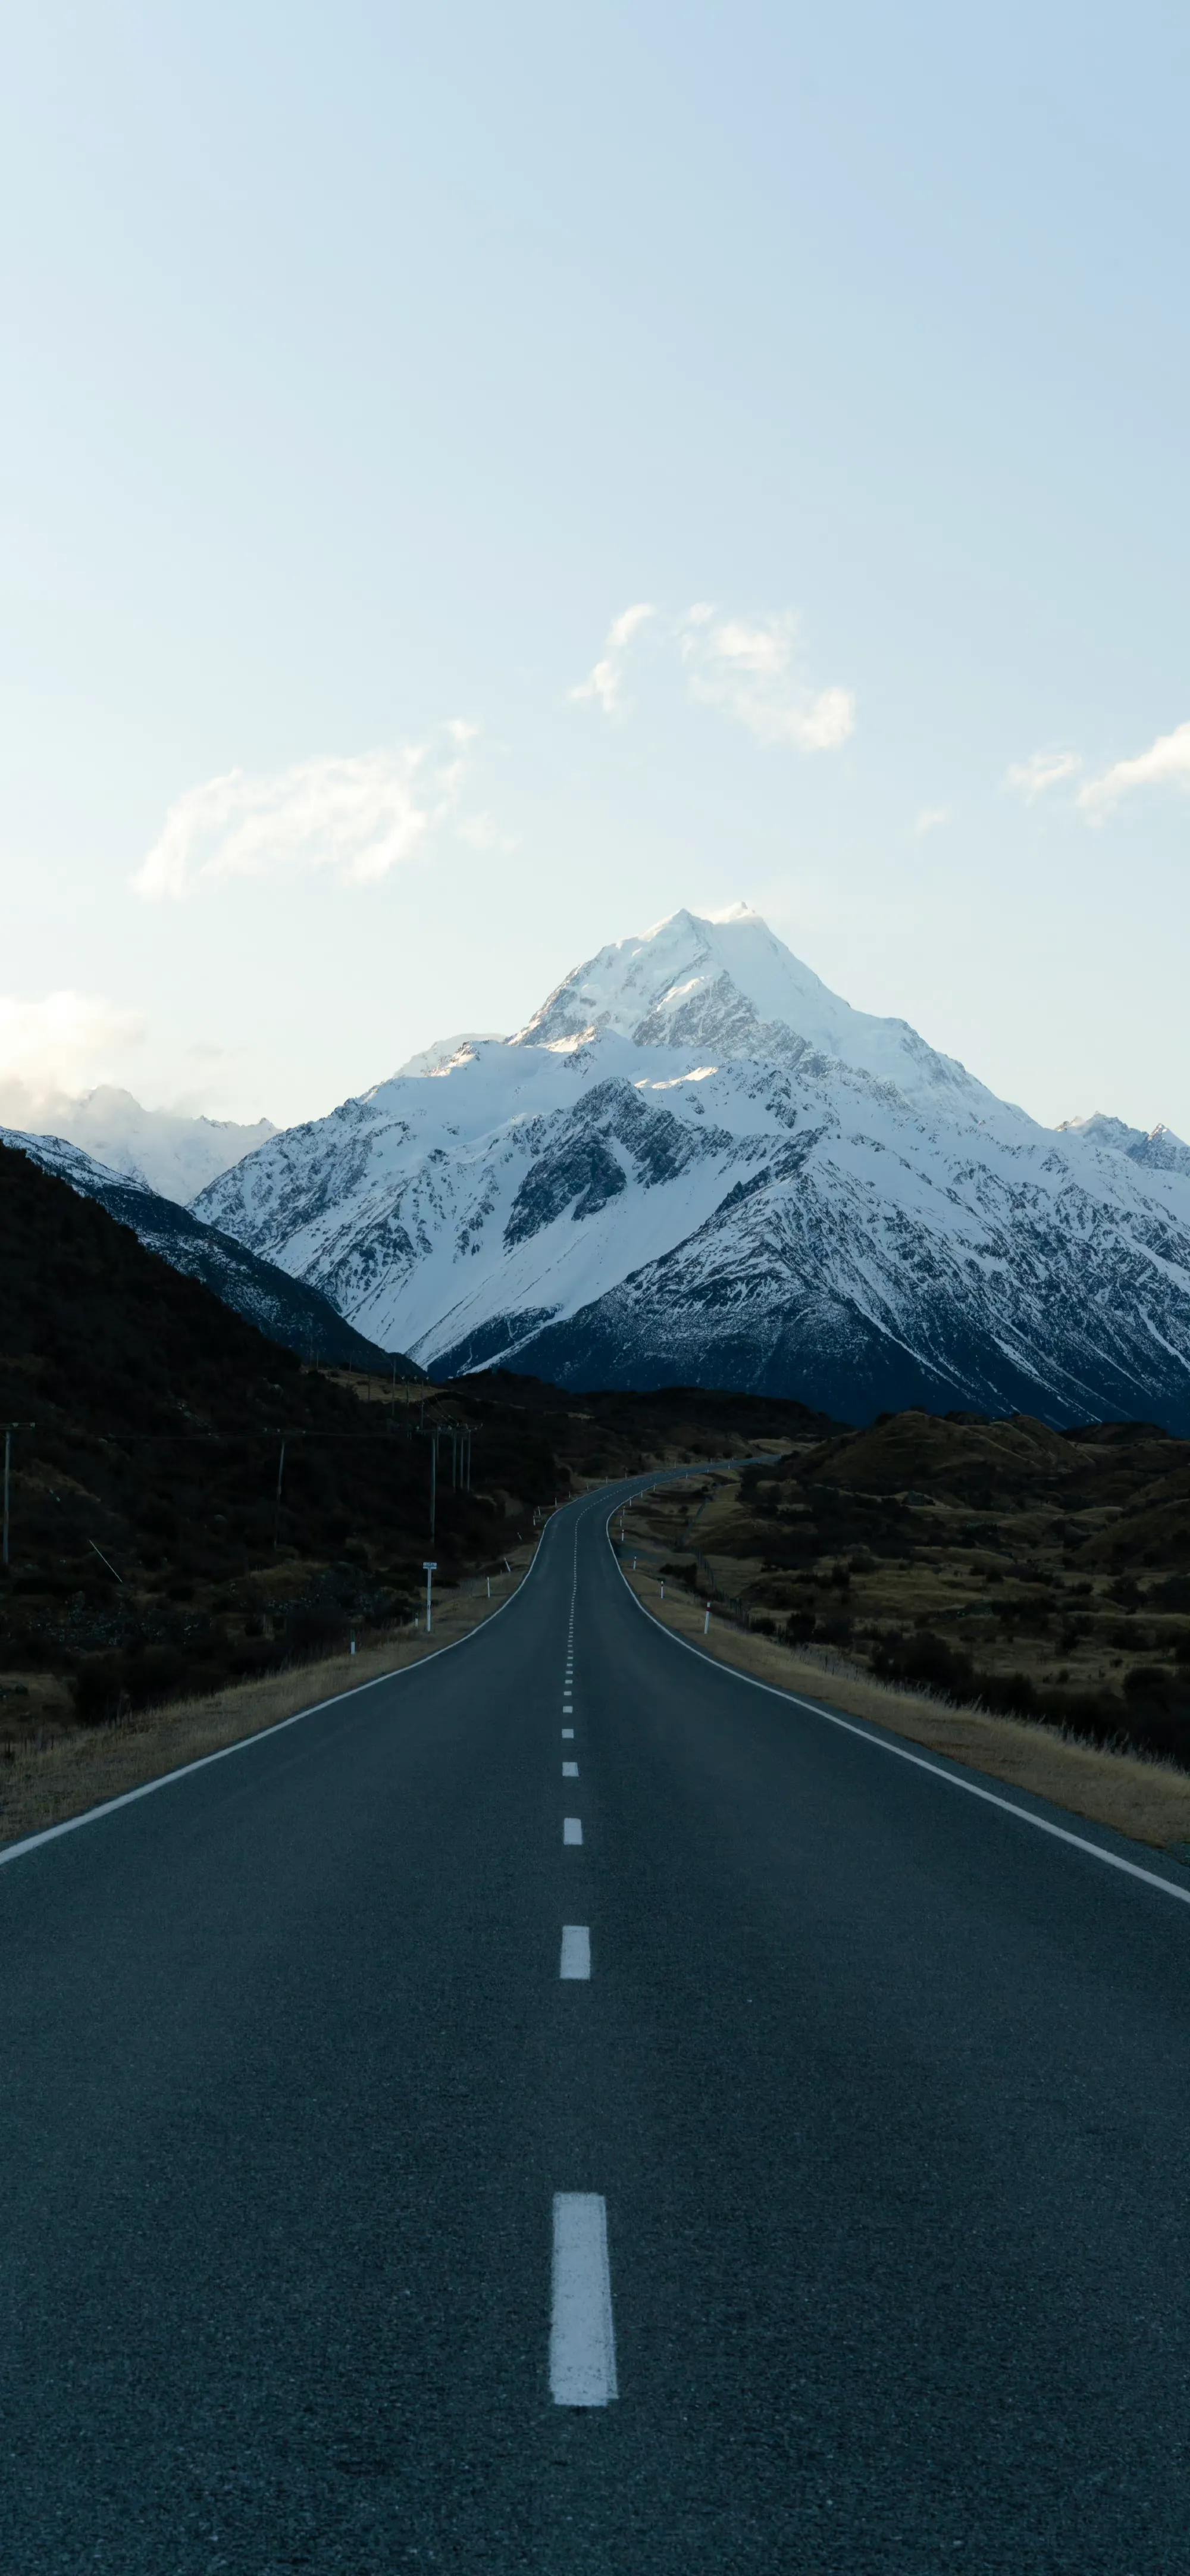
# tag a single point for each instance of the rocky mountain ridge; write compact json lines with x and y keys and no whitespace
{"x":288,"y":1311}
{"x":695,"y":1164}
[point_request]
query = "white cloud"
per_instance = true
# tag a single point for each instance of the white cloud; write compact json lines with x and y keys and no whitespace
{"x":360,"y":815}
{"x":930,"y":819}
{"x":1165,"y":764}
{"x":751,"y":670}
{"x":64,"y":1040}
{"x":482,"y":832}
{"x":1034,"y":777}
{"x":605,"y":682}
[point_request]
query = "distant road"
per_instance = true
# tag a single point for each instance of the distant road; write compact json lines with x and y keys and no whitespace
{"x":782,"y":2165}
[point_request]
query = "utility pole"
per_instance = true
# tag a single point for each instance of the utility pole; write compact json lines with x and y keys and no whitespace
{"x":433,"y":1483}
{"x":277,"y":1505}
{"x":454,"y":1459}
{"x":9,"y":1428}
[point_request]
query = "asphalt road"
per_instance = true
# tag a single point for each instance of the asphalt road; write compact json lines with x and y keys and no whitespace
{"x":881,"y":2095}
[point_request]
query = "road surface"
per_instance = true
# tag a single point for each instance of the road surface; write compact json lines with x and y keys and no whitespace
{"x":836,"y":2220}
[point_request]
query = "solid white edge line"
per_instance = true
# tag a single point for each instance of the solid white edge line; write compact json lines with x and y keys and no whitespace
{"x":582,"y":2334}
{"x":575,"y":1959}
{"x":920,"y":1761}
{"x":166,"y":1779}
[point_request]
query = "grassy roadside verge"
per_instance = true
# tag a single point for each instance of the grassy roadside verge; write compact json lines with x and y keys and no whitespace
{"x":47,"y":1786}
{"x":1148,"y":1800}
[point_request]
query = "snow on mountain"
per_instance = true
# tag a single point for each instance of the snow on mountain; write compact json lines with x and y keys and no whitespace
{"x":171,"y":1154}
{"x":1156,"y":1148}
{"x":725,"y":983}
{"x":437,"y":1058}
{"x":696,"y":1164}
{"x":287,"y":1310}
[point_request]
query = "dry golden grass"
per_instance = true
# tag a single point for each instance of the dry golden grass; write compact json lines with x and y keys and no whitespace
{"x":83,"y":1768}
{"x":1148,"y":1800}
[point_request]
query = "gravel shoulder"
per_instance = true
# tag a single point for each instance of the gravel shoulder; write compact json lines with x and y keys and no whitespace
{"x":1148,"y":1800}
{"x":47,"y":1785}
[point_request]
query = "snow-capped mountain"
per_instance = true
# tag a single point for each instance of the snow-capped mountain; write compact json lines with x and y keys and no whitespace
{"x":166,"y":1151}
{"x":725,"y":983}
{"x":695,"y":1163}
{"x":1156,"y":1149}
{"x":285,"y":1309}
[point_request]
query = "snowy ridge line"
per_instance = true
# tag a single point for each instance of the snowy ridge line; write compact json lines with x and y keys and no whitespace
{"x":697,"y":1165}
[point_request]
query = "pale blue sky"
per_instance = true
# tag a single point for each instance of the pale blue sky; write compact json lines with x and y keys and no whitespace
{"x":363,"y":365}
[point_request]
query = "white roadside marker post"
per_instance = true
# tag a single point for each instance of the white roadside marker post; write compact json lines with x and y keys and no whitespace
{"x":429,"y":1567}
{"x":707,"y":1621}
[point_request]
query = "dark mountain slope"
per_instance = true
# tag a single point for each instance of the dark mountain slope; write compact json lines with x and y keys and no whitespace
{"x":148,"y":1549}
{"x":299,"y":1317}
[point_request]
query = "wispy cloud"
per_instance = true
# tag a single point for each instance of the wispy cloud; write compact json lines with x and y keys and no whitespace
{"x":1035,"y":776}
{"x":751,"y":669}
{"x":930,"y":819}
{"x":483,"y":832}
{"x":359,"y":816}
{"x":605,"y":683}
{"x":1166,"y":763}
{"x":65,"y":1039}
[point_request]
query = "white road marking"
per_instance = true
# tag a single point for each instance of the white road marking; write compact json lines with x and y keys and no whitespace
{"x":883,"y":1744}
{"x":572,"y":1831}
{"x":582,"y":2335}
{"x":248,"y":1743}
{"x":576,"y":1951}
{"x":568,"y":1735}
{"x":570,"y":1770}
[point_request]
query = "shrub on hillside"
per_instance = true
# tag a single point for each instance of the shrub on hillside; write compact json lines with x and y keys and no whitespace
{"x":924,"y":1662}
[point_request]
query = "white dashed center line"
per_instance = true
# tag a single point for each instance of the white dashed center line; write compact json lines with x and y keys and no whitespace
{"x":576,"y":1951}
{"x":572,"y":1831}
{"x":582,"y":2335}
{"x":570,"y":1770}
{"x":568,"y":1735}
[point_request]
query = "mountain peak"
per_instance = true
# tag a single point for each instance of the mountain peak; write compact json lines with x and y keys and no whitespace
{"x":725,"y":982}
{"x":165,"y":1150}
{"x":1156,"y":1149}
